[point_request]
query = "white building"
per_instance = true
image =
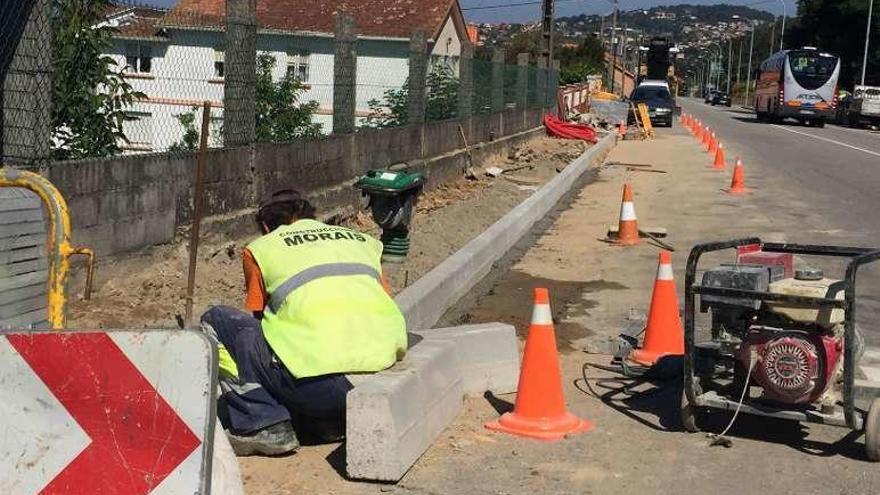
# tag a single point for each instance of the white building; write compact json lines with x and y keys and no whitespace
{"x":176,"y":57}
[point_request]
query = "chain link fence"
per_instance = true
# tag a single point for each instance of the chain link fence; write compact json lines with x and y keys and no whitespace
{"x":93,"y":78}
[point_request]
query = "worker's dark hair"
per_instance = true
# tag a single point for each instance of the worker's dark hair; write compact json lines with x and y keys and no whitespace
{"x":282,"y":208}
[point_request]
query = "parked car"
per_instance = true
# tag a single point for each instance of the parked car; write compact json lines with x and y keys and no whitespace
{"x":862,"y":107}
{"x":661,"y":105}
{"x":721,"y":98}
{"x":655,"y":82}
{"x":710,"y":96}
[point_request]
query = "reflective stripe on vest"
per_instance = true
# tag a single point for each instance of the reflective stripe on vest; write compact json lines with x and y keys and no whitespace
{"x":320,"y":271}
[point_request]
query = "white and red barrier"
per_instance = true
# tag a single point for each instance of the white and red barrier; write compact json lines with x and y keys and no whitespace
{"x":573,"y":98}
{"x":106,"y":412}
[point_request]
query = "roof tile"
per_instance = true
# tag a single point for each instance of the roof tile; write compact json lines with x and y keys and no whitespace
{"x":388,"y":18}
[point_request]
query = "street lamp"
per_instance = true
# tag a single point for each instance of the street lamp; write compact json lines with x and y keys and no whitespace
{"x":717,"y":82}
{"x":867,"y":40}
{"x":729,"y":61}
{"x":782,"y":31}
{"x":751,"y":49}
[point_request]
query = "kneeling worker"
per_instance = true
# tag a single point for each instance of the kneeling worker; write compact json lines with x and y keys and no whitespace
{"x":320,"y":310}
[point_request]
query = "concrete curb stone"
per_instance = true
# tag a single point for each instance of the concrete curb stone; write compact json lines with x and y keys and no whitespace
{"x":424,"y":302}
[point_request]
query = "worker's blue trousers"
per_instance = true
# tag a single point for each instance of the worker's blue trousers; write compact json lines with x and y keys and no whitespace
{"x":265,"y":393}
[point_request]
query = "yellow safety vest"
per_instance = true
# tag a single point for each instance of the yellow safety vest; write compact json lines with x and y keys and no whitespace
{"x":327,"y":310}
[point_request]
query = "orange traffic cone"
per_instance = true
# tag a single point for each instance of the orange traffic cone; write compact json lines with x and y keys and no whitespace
{"x":713,"y":144}
{"x":664,"y":335}
{"x":738,"y":182}
{"x":719,"y":158}
{"x":706,"y":135}
{"x":540,"y":403}
{"x":628,"y":226}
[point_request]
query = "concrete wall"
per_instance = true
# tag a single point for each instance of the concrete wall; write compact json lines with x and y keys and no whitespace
{"x":126,"y":203}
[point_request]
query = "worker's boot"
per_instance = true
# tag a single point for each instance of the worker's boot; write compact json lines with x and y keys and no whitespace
{"x":317,"y":431}
{"x":277,"y":439}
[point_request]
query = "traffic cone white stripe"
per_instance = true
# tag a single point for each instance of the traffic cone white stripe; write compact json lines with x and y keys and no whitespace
{"x":664,"y":272}
{"x":542,"y":315}
{"x":627,"y":211}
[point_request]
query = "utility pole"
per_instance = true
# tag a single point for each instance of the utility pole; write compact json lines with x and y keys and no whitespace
{"x":709,"y":70}
{"x":547,"y":32}
{"x":867,"y":40}
{"x":729,"y":62}
{"x":614,"y":45}
{"x":782,"y":31}
{"x":749,"y":70}
{"x":739,"y":61}
{"x":772,"y":35}
{"x":623,"y":54}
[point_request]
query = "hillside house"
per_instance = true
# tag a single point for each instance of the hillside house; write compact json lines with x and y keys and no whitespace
{"x":176,"y":57}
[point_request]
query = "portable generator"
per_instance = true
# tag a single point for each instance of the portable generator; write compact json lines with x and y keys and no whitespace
{"x":782,"y":340}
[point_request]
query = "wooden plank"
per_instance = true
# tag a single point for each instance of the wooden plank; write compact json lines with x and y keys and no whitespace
{"x":25,"y":240}
{"x":20,"y":216}
{"x":23,"y":280}
{"x":19,"y":229}
{"x":10,"y":256}
{"x":23,"y":267}
{"x":22,"y":307}
{"x":14,"y":204}
{"x":17,"y":193}
{"x":36,"y":291}
{"x":34,"y":319}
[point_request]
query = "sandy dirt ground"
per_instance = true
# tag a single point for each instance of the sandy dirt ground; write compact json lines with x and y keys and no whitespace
{"x":637,"y":445}
{"x":147,"y":289}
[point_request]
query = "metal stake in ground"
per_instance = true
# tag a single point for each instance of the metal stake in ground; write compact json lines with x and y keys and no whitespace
{"x":198,"y":204}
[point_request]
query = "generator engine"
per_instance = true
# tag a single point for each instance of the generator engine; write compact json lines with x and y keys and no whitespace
{"x":797,"y":351}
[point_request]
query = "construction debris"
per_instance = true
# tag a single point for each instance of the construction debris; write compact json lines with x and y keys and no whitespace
{"x":494,"y":171}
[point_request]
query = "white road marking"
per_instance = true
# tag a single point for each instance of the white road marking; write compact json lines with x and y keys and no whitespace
{"x":860,"y":132}
{"x":839,"y":143}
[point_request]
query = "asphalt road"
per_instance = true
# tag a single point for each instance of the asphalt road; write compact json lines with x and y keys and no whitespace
{"x":837,"y":168}
{"x":830,"y":179}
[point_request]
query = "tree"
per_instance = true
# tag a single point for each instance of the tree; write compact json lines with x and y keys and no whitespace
{"x":579,"y":61}
{"x":838,"y":26}
{"x":89,"y":91}
{"x":441,"y":100}
{"x":191,"y":135}
{"x":280,"y":116}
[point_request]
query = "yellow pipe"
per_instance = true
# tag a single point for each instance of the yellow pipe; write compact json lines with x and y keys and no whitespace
{"x":59,"y":236}
{"x":90,"y":273}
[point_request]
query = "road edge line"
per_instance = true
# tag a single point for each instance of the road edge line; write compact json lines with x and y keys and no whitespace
{"x":829,"y":140}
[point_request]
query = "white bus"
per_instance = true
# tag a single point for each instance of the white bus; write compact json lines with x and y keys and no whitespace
{"x":799,"y":84}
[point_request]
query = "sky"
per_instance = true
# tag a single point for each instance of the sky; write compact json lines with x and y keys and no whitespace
{"x":527,"y":13}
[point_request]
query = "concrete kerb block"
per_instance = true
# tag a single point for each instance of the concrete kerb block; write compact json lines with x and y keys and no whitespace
{"x":424,"y":302}
{"x":488,"y":354}
{"x":393,"y":416}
